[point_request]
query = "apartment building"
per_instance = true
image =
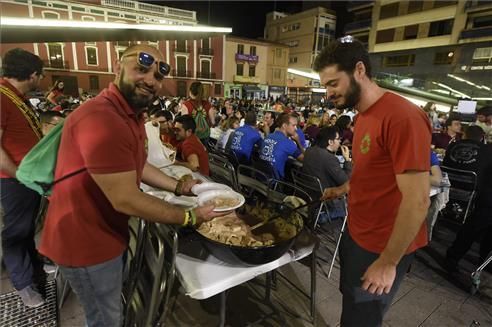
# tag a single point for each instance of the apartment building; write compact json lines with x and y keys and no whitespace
{"x":88,"y":66}
{"x":254,"y":68}
{"x":306,"y":33}
{"x":443,"y":47}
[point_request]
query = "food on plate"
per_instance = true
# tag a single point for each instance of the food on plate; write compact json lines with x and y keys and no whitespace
{"x":232,"y":230}
{"x":221,"y":202}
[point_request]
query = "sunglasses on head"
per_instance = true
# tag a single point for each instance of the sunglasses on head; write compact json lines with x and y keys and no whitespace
{"x":146,"y":60}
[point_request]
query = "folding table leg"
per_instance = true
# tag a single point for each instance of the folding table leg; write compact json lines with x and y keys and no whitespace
{"x":222,"y":309}
{"x":268,"y":286}
{"x":313,"y":287}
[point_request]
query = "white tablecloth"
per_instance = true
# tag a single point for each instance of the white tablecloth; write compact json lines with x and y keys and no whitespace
{"x":202,"y":275}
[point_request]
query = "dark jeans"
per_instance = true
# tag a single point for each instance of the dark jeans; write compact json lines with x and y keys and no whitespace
{"x":98,"y":289}
{"x":20,"y":205}
{"x":360,"y":308}
{"x":477,"y":227}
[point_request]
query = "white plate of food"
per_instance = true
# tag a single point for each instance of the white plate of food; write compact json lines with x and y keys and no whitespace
{"x":209,"y":186}
{"x":224,"y":200}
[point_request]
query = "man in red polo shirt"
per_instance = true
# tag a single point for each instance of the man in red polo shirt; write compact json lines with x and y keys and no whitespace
{"x":389,"y":188}
{"x":191,"y":151}
{"x":20,"y":130}
{"x":86,"y":228}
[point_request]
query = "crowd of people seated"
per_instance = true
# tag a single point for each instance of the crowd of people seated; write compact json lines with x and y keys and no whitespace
{"x":279,"y":132}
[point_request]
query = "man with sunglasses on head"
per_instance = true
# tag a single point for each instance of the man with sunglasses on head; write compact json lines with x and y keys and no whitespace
{"x":20,"y":130}
{"x":388,"y":192}
{"x":86,"y":227}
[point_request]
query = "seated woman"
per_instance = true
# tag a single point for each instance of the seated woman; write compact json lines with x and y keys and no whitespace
{"x":55,"y":93}
{"x":227,"y":127}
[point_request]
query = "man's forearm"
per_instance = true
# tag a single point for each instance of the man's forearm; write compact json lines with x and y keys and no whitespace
{"x":154,"y":177}
{"x":6,"y":163}
{"x":151,"y":208}
{"x":411,"y":215}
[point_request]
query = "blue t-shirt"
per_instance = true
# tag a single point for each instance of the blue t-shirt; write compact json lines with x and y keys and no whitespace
{"x":276,"y":149}
{"x":302,"y":137}
{"x":243,"y":140}
{"x":434,"y":159}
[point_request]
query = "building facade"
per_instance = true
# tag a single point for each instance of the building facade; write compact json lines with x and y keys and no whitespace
{"x":442,"y":47}
{"x":305,"y":33}
{"x":254,"y":68}
{"x":88,"y":66}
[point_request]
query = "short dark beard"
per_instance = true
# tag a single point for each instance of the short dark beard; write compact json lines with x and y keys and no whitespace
{"x":352,"y":97}
{"x":137,"y":103}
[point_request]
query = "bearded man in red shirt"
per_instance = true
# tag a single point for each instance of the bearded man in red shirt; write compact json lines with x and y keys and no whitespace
{"x":388,"y":192}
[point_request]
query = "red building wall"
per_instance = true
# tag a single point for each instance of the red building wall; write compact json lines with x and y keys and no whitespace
{"x":81,"y":74}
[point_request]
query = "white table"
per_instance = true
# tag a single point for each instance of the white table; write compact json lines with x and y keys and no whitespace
{"x":202,"y":275}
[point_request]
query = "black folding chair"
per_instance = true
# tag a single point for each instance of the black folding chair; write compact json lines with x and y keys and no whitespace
{"x":463,"y":188}
{"x":222,"y":171}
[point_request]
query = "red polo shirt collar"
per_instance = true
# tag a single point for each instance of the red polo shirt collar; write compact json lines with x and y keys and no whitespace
{"x":6,"y":83}
{"x":113,"y":92}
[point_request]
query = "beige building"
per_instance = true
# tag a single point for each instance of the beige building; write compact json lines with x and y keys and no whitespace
{"x":254,"y":68}
{"x":305,"y":33}
{"x":444,"y":46}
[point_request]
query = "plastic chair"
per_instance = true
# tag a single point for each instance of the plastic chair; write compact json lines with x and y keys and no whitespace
{"x":463,"y":187}
{"x":222,"y":170}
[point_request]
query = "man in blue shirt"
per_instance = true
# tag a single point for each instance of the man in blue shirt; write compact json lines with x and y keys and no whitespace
{"x":245,"y":138}
{"x":281,"y":144}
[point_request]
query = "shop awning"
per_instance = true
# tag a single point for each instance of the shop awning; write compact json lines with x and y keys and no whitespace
{"x":252,"y":88}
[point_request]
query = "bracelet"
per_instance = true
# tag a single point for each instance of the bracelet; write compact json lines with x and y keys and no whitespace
{"x":193,"y":217}
{"x":186,"y":221}
{"x":178,"y":189}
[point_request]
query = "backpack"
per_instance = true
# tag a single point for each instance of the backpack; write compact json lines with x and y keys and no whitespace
{"x":202,"y":127}
{"x":37,"y":169}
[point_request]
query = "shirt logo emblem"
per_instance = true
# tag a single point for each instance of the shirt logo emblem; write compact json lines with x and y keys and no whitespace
{"x":365,"y":144}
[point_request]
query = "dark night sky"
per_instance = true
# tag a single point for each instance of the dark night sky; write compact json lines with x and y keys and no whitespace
{"x":247,"y":18}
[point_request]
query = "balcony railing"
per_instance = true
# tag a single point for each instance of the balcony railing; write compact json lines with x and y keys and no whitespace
{"x":182,"y":49}
{"x":358,"y":25}
{"x":476,"y":32}
{"x":247,"y":79}
{"x":206,"y":51}
{"x":181,"y":73}
{"x":352,"y":5}
{"x":477,"y":4}
{"x":59,"y":64}
{"x":208,"y":75}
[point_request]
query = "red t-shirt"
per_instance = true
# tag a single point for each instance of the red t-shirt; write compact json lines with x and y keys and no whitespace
{"x":105,"y":136}
{"x":18,"y":137}
{"x":192,"y":145}
{"x":391,"y":137}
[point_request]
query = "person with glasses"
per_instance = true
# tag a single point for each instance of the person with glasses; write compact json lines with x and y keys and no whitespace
{"x":321,"y":161}
{"x":388,"y":192}
{"x":20,"y":130}
{"x":164,"y":119}
{"x":86,"y":226}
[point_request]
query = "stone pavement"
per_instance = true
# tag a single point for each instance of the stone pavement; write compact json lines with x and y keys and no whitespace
{"x":428,"y":296}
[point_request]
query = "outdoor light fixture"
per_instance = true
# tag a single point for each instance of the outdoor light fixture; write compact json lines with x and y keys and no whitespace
{"x":444,"y":86}
{"x":28,"y":22}
{"x":304,"y":74}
